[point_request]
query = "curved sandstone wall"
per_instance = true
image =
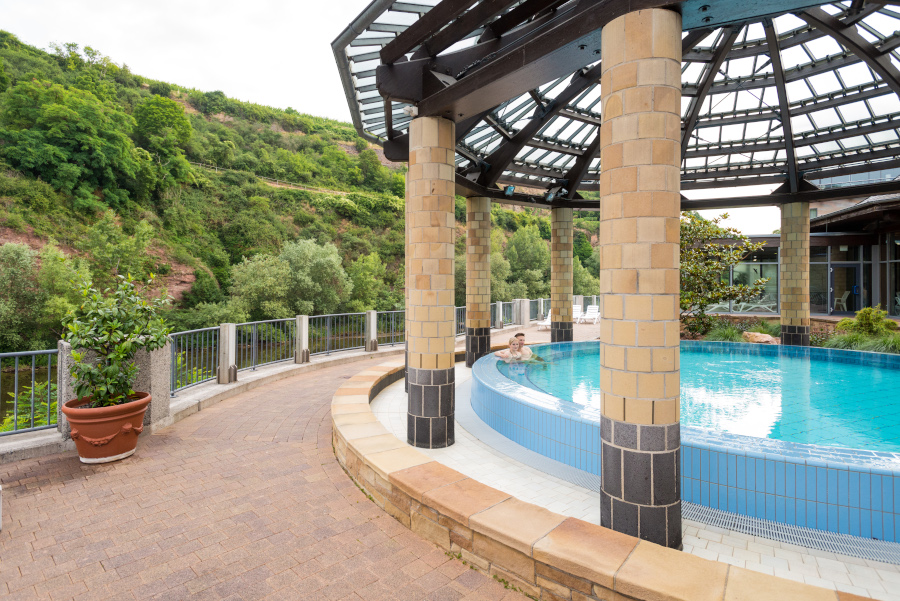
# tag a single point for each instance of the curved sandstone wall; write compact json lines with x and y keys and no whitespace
{"x":544,"y":554}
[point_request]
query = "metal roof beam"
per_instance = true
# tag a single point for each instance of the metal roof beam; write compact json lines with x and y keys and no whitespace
{"x":783,"y":104}
{"x":500,"y":158}
{"x":474,"y":18}
{"x":580,"y":168}
{"x":705,"y":84}
{"x":423,"y":28}
{"x":850,"y":38}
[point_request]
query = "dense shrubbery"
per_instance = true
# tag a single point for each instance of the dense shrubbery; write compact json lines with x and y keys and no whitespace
{"x":98,"y":159}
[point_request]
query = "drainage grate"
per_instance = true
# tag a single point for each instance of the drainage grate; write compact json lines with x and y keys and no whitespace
{"x":843,"y":544}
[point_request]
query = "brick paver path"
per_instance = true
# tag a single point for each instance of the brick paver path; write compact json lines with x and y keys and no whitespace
{"x":241,"y":501}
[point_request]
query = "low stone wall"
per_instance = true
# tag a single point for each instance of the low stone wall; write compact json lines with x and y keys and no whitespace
{"x":543,"y":554}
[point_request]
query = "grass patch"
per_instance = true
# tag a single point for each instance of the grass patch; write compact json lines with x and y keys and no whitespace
{"x":724,"y":333}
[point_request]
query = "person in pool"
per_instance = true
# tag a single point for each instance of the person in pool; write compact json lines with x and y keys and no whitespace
{"x":527,"y":354}
{"x":513,"y":353}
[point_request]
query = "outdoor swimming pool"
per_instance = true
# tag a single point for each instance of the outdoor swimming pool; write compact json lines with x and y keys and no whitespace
{"x":792,"y":398}
{"x":802,"y":436}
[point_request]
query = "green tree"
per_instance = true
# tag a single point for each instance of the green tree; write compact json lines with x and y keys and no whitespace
{"x":367,"y":274}
{"x":260,"y":285}
{"x":158,"y":115}
{"x":70,"y":139}
{"x":57,"y":279}
{"x":317,"y":282}
{"x":582,"y":247}
{"x":529,"y":261}
{"x":21,"y":298}
{"x":583,"y":282}
{"x":703,"y":261}
{"x":4,"y":78}
{"x":113,"y":252}
{"x":205,"y":289}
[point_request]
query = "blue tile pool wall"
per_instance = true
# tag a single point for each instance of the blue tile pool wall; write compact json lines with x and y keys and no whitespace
{"x":839,"y":490}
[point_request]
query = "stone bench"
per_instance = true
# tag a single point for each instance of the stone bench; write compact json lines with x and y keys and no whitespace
{"x":541,"y":553}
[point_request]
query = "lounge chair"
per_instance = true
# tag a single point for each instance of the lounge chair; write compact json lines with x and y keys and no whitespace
{"x":592,"y":315}
{"x":545,"y":323}
{"x":576,"y":313}
{"x":764,"y":303}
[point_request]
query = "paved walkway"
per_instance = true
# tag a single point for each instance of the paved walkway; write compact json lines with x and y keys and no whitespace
{"x":239,"y":502}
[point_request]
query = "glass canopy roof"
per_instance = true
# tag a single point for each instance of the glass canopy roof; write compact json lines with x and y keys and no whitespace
{"x":771,"y":101}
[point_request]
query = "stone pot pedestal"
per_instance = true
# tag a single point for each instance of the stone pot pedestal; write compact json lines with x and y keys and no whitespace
{"x":105,"y":434}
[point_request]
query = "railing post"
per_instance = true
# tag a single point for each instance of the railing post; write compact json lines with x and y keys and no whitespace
{"x":522,"y":314}
{"x":301,"y":344}
{"x":371,"y":330}
{"x":227,"y":353}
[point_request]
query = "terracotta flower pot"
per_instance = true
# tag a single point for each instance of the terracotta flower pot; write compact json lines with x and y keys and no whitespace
{"x":105,"y":434}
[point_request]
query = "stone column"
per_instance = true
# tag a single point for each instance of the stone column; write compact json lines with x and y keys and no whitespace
{"x":478,"y":278}
{"x":639,"y":279}
{"x":561,"y":298}
{"x":794,"y":274}
{"x":430,"y":311}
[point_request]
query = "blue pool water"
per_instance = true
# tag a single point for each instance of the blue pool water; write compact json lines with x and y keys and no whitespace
{"x":787,"y":398}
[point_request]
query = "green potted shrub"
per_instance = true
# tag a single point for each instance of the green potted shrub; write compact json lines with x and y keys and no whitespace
{"x":106,"y":331}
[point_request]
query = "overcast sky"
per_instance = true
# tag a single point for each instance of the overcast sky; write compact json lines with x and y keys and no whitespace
{"x":271,"y":52}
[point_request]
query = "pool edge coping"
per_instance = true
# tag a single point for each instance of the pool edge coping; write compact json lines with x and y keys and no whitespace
{"x":567,"y":555}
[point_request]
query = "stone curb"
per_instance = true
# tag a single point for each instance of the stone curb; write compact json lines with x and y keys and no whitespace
{"x":542,"y":554}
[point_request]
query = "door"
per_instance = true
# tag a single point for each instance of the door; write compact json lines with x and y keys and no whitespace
{"x":845,"y":289}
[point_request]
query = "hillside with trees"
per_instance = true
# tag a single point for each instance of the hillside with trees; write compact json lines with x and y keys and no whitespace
{"x":243,"y":211}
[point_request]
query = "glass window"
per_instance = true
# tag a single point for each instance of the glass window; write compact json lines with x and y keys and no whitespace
{"x":894,"y":298}
{"x":818,"y":254}
{"x":844,"y":253}
{"x":767,"y":254}
{"x":883,"y":287}
{"x":813,"y":213}
{"x":894,"y":246}
{"x":867,"y":286}
{"x":818,"y":288}
{"x":747,"y":274}
{"x":867,"y":253}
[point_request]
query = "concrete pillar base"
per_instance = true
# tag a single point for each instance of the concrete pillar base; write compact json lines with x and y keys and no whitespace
{"x":429,"y":421}
{"x":561,"y":331}
{"x":795,"y":335}
{"x":648,"y":506}
{"x":478,"y":344}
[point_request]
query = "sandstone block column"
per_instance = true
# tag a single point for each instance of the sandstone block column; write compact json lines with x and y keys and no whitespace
{"x":640,"y":158}
{"x":561,"y":298}
{"x":478,"y":278}
{"x":794,"y":274}
{"x":430,"y":310}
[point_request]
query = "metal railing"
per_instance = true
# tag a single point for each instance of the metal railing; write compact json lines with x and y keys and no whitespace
{"x":460,"y":321}
{"x":340,"y":332}
{"x":263,"y":342}
{"x":507,"y":313}
{"x":534,"y":310}
{"x":27,"y":391}
{"x":391,"y":327}
{"x":195,"y":357}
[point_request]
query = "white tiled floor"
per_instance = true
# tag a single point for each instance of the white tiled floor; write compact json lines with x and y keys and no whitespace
{"x":482,"y":462}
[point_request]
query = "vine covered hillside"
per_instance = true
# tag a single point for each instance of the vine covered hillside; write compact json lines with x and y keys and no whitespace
{"x":241,"y":211}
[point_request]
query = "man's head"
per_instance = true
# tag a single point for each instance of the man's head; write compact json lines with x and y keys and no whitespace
{"x":520,"y":336}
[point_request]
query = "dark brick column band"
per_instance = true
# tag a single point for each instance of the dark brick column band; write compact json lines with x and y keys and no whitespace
{"x":431,"y":405}
{"x":795,"y":335}
{"x":641,"y":480}
{"x":561,"y":331}
{"x":478,"y":344}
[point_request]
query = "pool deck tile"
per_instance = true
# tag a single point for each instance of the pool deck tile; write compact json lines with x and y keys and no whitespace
{"x":585,"y":550}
